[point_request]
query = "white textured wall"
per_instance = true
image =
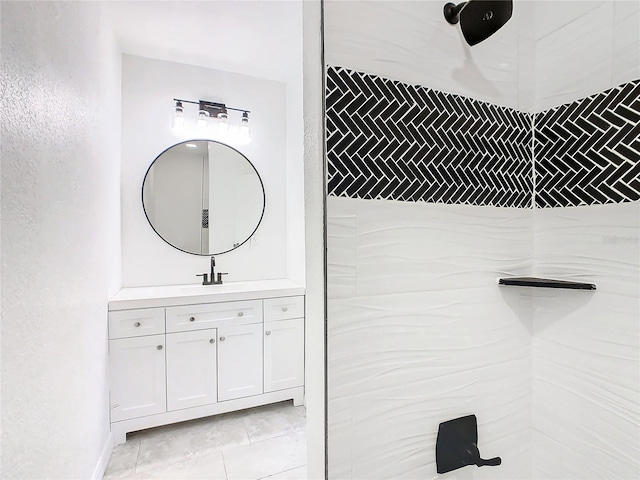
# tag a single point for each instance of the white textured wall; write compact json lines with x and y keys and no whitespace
{"x":420,"y":333}
{"x":295,"y":152}
{"x":314,"y":247}
{"x":60,"y":235}
{"x":586,"y":345}
{"x":584,"y":47}
{"x":148,"y":87}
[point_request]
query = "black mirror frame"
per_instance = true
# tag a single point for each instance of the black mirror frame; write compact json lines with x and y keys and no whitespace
{"x":264,"y":197}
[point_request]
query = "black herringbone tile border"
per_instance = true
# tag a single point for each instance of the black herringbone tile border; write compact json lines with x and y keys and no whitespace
{"x":390,"y":140}
{"x":588,"y":152}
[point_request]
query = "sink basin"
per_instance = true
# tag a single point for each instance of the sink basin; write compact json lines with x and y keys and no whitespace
{"x":209,"y":289}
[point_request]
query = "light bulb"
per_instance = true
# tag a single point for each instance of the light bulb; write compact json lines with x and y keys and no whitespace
{"x":244,"y":133}
{"x":203,"y":120}
{"x":177,"y":124}
{"x":223,"y":122}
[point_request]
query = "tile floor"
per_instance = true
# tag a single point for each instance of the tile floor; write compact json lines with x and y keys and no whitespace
{"x":265,"y":442}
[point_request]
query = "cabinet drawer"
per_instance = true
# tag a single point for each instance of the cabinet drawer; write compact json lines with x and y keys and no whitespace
{"x":283,"y":308}
{"x":213,"y":315}
{"x":136,"y":323}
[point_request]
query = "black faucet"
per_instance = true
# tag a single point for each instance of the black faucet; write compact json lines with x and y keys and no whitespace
{"x":211,"y":279}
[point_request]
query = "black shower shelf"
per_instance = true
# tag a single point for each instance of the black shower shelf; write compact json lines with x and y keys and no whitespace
{"x":545,"y":283}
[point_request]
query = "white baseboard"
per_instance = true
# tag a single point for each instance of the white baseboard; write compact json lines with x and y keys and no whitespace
{"x":105,"y":455}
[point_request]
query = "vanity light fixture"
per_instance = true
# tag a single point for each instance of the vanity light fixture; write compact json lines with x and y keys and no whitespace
{"x":213,"y":119}
{"x":244,"y":133}
{"x":223,"y":121}
{"x":203,"y":120}
{"x":178,"y":118}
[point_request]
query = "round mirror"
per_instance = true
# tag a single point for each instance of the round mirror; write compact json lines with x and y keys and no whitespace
{"x":203,"y":197}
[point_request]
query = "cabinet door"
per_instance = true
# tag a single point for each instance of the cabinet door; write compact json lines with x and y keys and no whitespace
{"x":191,"y":369}
{"x":283,"y":354}
{"x":137,"y":372}
{"x":239,"y":361}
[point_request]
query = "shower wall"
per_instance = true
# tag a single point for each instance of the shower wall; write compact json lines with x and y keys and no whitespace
{"x":418,"y":331}
{"x":586,"y":421}
{"x":586,"y":347}
{"x":430,"y":201}
{"x":582,"y":47}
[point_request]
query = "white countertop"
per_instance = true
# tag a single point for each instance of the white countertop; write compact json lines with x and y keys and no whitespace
{"x":171,"y":295}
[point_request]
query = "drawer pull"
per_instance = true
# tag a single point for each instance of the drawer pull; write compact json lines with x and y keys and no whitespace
{"x":212,"y":340}
{"x":240,"y":314}
{"x":222,"y":339}
{"x":192,"y":319}
{"x":159,"y":347}
{"x":268,"y":332}
{"x":137,"y":324}
{"x":284,"y":309}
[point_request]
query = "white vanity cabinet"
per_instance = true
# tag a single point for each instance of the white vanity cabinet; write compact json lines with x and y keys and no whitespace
{"x":137,"y":375}
{"x":202,"y":355}
{"x":192,"y":369}
{"x":283,"y":343}
{"x":240,"y":361}
{"x":137,"y":363}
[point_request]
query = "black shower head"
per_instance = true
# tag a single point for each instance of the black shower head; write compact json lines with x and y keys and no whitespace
{"x":479,"y":19}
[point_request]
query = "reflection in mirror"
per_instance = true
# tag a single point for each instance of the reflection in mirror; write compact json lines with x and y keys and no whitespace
{"x":203,"y":197}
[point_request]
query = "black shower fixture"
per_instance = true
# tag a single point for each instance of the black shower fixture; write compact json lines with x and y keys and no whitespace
{"x":479,"y":19}
{"x":457,"y":445}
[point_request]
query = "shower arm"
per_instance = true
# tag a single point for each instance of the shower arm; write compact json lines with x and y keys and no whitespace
{"x":452,"y":12}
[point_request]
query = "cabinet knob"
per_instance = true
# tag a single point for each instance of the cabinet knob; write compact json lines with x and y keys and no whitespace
{"x":137,"y":324}
{"x":268,"y":332}
{"x":192,"y":319}
{"x":159,"y":347}
{"x":240,"y":314}
{"x":222,"y":339}
{"x":284,"y":309}
{"x":212,"y":340}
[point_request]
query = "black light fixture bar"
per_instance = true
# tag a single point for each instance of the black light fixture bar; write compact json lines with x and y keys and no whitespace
{"x":218,"y":107}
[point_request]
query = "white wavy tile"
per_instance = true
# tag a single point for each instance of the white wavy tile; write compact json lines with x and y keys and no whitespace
{"x":395,"y":438}
{"x":624,"y":9}
{"x":586,"y":368}
{"x":341,"y":247}
{"x":424,"y":246}
{"x":340,"y":439}
{"x":409,"y":355}
{"x":599,"y":244}
{"x":551,"y":16}
{"x":626,"y":42}
{"x":574,"y":61}
{"x":412,"y":42}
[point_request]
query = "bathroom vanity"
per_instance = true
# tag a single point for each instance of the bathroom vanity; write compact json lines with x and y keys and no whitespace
{"x":187,"y":351}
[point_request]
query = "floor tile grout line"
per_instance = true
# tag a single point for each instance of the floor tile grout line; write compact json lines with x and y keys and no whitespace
{"x":135,"y":466}
{"x":304,"y":429}
{"x":283,"y":471}
{"x":224,"y":464}
{"x":189,"y":458}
